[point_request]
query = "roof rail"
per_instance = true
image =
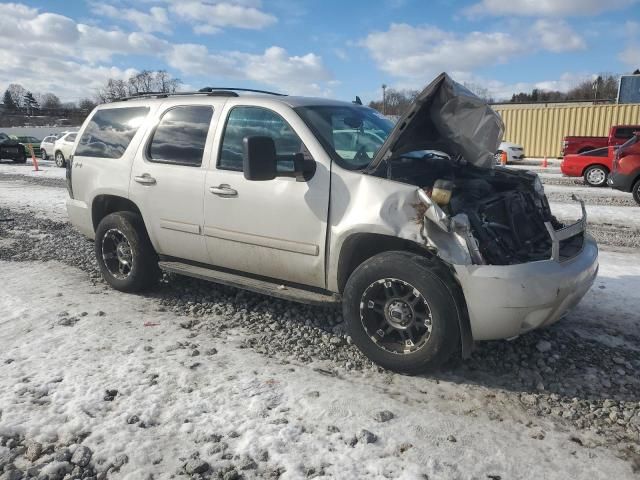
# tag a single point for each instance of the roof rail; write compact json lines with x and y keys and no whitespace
{"x":216,"y":93}
{"x":215,"y":89}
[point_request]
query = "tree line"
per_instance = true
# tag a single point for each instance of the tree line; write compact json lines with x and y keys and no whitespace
{"x":20,"y":102}
{"x":604,"y":88}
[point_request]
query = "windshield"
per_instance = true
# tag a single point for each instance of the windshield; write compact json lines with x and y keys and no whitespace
{"x":4,"y":136}
{"x":351,"y":134}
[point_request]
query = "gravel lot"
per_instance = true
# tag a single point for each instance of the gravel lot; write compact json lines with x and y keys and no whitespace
{"x":580,"y":376}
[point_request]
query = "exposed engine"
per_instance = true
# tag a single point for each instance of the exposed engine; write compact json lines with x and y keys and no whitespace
{"x":507,"y":209}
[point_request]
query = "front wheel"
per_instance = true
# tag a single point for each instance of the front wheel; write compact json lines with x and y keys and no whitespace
{"x":43,"y":154}
{"x":60,"y":161}
{"x":124,"y":252}
{"x":596,"y":176}
{"x":400,"y":312}
{"x":636,"y":191}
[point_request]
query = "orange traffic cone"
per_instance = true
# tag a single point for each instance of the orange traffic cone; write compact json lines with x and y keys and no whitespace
{"x":545,"y":162}
{"x":33,"y":159}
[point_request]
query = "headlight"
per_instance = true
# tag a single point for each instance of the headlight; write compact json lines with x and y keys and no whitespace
{"x":538,"y":187}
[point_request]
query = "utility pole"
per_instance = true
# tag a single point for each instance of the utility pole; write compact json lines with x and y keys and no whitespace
{"x":384,"y":98}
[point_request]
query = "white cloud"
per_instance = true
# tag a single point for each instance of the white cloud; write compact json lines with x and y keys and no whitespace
{"x":156,"y":20}
{"x":207,"y":17}
{"x":293,"y":74}
{"x":630,"y":56}
{"x":422,"y":52}
{"x":73,"y":60}
{"x":546,"y":8}
{"x":556,"y":36}
{"x":415,"y":54}
{"x":275,"y":67}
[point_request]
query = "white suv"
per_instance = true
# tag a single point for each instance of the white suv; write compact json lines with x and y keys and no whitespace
{"x":426,"y":244}
{"x":63,"y":147}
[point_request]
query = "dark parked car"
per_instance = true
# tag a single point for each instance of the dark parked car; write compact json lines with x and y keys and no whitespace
{"x":11,"y":149}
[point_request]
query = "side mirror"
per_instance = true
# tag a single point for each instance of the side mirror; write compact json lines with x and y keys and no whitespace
{"x":259,"y":160}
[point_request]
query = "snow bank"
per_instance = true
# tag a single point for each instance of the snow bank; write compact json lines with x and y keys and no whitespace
{"x":54,"y":388}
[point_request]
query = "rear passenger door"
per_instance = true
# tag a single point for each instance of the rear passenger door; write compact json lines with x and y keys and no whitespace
{"x":168,"y":174}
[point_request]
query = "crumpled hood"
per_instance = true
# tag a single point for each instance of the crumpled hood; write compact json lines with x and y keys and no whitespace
{"x":446,"y":116}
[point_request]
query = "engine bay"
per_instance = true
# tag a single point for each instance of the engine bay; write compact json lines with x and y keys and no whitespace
{"x":506,"y":209}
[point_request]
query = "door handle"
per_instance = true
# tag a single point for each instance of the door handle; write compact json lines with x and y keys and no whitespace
{"x":223,"y":190}
{"x":145,"y":179}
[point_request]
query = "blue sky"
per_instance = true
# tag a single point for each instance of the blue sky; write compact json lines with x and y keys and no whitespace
{"x":327,"y":48}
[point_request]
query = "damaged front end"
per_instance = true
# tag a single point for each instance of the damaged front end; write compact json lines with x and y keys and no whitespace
{"x":497,"y":218}
{"x":518,"y":266}
{"x":445,"y":146}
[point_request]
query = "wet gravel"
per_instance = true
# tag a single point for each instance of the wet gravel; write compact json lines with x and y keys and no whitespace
{"x":551,"y":373}
{"x":595,"y":199}
{"x":42,"y":181}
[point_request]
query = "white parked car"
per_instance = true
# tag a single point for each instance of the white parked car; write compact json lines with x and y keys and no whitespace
{"x":515,"y":152}
{"x":427,"y":245}
{"x":47,"y":146}
{"x":63,"y":147}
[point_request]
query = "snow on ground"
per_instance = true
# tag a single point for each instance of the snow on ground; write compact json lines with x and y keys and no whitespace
{"x":611,"y":306}
{"x":47,"y":169}
{"x":586,"y":191}
{"x":54,"y":389}
{"x":600,"y":214}
{"x":38,"y":200}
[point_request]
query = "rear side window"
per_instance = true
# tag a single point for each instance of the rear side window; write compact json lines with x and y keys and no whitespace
{"x":71,"y":138}
{"x":110,"y":131}
{"x":256,"y":121}
{"x":181,"y":135}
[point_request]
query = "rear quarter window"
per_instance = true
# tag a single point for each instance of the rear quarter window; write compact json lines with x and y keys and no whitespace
{"x":110,"y":131}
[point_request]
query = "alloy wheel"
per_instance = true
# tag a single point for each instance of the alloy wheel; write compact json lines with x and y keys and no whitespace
{"x":395,"y":316}
{"x":596,"y":176}
{"x":117,"y":254}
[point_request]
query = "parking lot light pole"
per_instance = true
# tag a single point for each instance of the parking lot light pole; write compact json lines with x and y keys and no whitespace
{"x":384,"y":99}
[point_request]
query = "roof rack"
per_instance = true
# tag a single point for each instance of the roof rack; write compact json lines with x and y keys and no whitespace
{"x":234,"y":89}
{"x":221,"y":93}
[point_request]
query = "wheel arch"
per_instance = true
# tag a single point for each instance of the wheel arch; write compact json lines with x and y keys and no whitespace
{"x":104,"y":204}
{"x":361,"y":246}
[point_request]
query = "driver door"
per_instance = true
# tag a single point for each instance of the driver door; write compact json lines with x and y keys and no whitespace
{"x":275,"y":228}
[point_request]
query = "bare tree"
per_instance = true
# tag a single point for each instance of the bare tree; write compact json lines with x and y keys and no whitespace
{"x":146,"y":81}
{"x":50,"y":101}
{"x":396,"y":101}
{"x":86,"y":104}
{"x":17,"y":93}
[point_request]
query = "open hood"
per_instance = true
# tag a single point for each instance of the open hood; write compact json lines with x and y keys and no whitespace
{"x":446,"y":116}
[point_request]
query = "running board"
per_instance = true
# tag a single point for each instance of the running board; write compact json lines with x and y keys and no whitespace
{"x":265,"y":287}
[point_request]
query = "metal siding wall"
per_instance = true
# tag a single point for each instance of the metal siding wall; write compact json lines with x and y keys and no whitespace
{"x":541,"y":130}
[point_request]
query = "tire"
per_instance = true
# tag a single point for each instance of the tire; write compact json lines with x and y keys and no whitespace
{"x":60,"y":160}
{"x":367,"y":314}
{"x":596,"y":176}
{"x":137,"y":252}
{"x":43,"y":154}
{"x":20,"y":160}
{"x":636,"y":191}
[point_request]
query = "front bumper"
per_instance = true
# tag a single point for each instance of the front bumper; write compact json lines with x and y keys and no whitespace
{"x":620,"y":181}
{"x":505,"y":301}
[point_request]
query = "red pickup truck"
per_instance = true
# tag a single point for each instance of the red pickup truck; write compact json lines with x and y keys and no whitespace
{"x":617,"y":136}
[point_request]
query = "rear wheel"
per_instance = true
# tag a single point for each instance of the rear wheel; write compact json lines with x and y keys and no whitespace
{"x":21,"y":160}
{"x":124,"y":252}
{"x":60,"y":161}
{"x":596,"y":175}
{"x":43,"y":154}
{"x":400,"y":313}
{"x":636,"y":191}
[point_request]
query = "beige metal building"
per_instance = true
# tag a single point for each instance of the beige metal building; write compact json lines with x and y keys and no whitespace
{"x":540,"y":128}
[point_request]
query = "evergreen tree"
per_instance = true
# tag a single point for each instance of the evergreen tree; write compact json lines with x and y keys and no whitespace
{"x":9,"y":104}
